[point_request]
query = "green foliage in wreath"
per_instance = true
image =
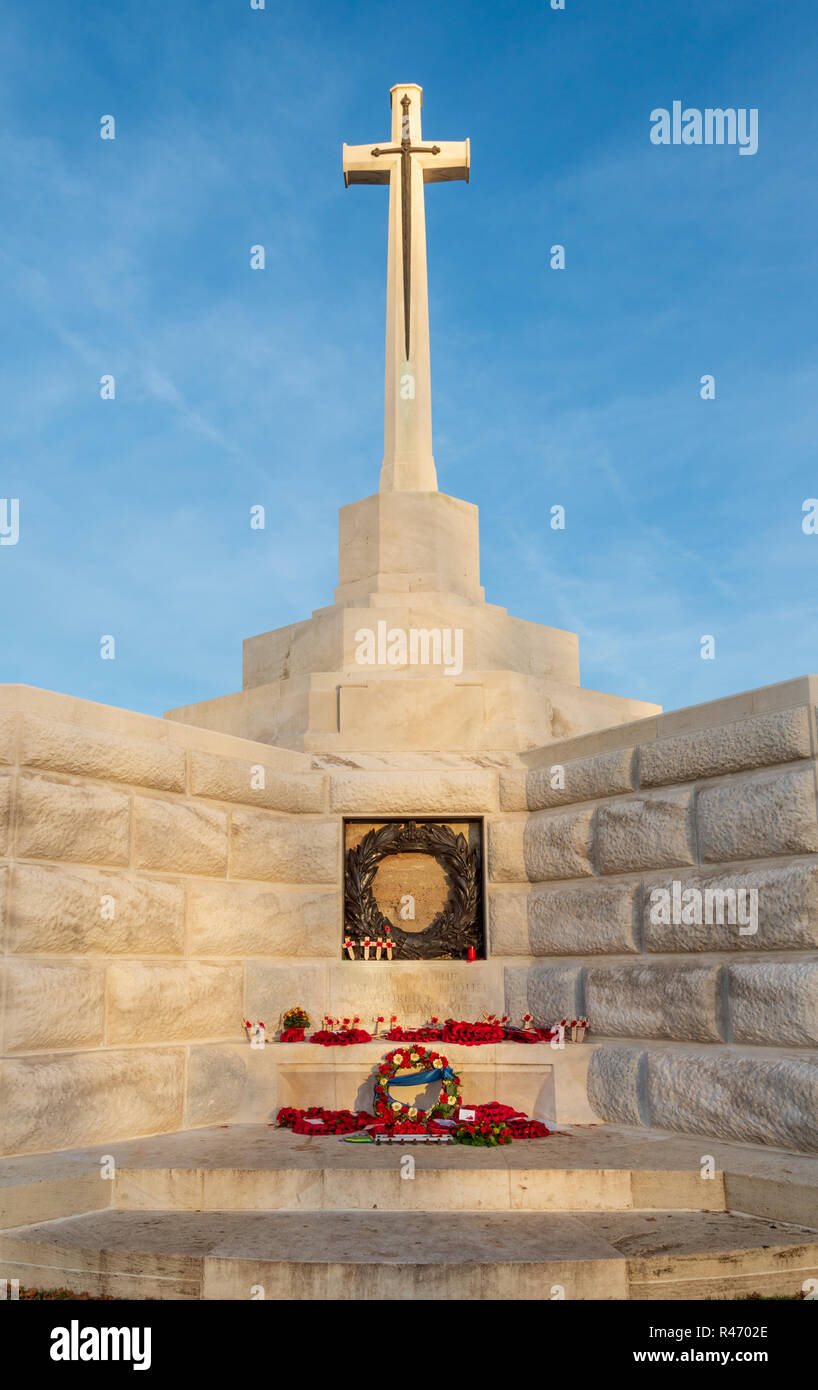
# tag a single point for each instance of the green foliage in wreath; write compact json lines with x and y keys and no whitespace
{"x":481,"y":1136}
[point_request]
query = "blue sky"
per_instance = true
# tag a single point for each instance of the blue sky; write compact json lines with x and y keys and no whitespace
{"x":578,"y":387}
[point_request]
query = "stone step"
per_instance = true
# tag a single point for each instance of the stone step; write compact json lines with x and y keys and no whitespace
{"x":400,"y":1255}
{"x":432,"y":1187}
{"x":258,"y":1167}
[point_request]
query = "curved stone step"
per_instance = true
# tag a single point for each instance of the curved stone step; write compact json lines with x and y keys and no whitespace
{"x":403,"y":1255}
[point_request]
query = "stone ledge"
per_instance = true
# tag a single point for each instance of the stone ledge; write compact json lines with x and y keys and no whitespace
{"x":8,"y":738}
{"x":755,"y":742}
{"x":70,"y":748}
{"x":586,"y":779}
{"x":230,"y":779}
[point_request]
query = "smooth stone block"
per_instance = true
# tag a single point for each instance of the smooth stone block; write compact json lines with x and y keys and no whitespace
{"x":774,"y":1002}
{"x":218,"y":1081}
{"x":753,"y":817}
{"x":645,"y":832}
{"x":65,"y":911}
{"x":55,"y":1004}
{"x":234,"y":779}
{"x":237,"y":919}
{"x":400,"y":793}
{"x":781,"y":737}
{"x":284,"y":851}
{"x":159,"y":1001}
{"x":89,"y":1098}
{"x":272,"y":989}
{"x":110,"y":757}
{"x":678,"y":1001}
{"x":415,"y":991}
{"x":83,"y":824}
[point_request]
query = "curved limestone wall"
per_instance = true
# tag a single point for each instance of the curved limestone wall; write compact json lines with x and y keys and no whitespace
{"x":160,"y":882}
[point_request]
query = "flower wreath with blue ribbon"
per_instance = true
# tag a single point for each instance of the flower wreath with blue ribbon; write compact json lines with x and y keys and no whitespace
{"x":435,"y":1068}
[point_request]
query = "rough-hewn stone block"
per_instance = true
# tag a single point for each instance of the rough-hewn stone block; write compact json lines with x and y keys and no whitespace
{"x":547,"y":992}
{"x":513,"y":795}
{"x":89,"y":1098}
{"x":8,"y":738}
{"x":586,"y":779}
{"x":615,"y":1080}
{"x":5,"y":813}
{"x":761,"y":741}
{"x":180,"y":837}
{"x":557,"y":845}
{"x":155,"y":1001}
{"x":97,"y":753}
{"x":5,"y":880}
{"x":645,"y":832}
{"x":755,"y":816}
{"x":401,"y":793}
{"x":236,"y":779}
{"x":678,"y":1001}
{"x":284,"y":851}
{"x":584,"y":919}
{"x":774,"y":1002}
{"x":271,"y":989}
{"x":54,"y":1004}
{"x":752,"y":1099}
{"x":64,"y":911}
{"x":546,"y":845}
{"x":787,"y":910}
{"x":83,"y":824}
{"x":234,"y":919}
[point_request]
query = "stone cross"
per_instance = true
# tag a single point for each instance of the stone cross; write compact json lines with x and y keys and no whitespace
{"x":406,"y":165}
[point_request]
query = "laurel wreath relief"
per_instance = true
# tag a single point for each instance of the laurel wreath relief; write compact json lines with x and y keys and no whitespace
{"x":454,"y":929}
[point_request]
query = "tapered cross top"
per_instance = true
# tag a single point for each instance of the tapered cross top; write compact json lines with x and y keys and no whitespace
{"x":406,"y":165}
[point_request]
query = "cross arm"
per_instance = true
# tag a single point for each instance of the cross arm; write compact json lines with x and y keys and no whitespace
{"x":361,"y":166}
{"x":451,"y":162}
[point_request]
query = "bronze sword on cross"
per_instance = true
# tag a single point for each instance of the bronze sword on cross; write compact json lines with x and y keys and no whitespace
{"x":406,"y":149}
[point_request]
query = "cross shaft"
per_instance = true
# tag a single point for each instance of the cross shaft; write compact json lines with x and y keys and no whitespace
{"x":406,"y":165}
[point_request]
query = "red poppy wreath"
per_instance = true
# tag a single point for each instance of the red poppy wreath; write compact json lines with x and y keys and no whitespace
{"x":430,"y":1066}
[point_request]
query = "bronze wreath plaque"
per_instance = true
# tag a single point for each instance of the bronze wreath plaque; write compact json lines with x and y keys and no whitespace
{"x":453,"y":929}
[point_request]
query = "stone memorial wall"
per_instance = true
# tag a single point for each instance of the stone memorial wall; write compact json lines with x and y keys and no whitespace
{"x":160,"y":883}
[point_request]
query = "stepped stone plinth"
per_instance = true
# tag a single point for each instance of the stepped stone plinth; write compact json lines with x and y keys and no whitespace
{"x":604,"y":1214}
{"x":442,"y":668}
